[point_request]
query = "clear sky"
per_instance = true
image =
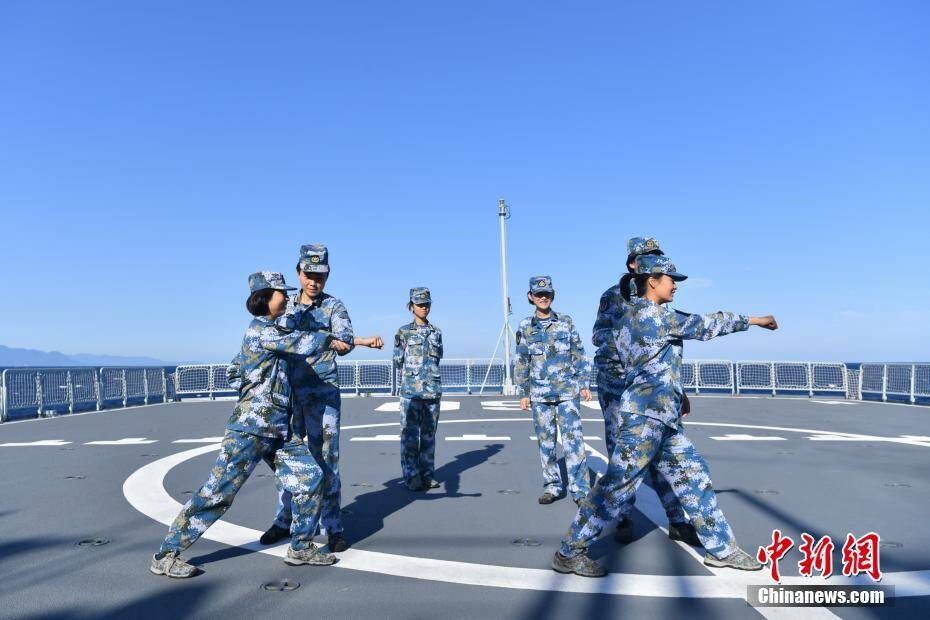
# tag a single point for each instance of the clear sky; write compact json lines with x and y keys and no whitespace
{"x":153,"y":155}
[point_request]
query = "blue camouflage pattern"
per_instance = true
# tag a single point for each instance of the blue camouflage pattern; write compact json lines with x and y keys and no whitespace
{"x":419,"y":418}
{"x":261,"y":280}
{"x":614,"y":421}
{"x":295,"y":470}
{"x":649,"y":339}
{"x":318,"y":420}
{"x":656,"y":264}
{"x":417,"y":353}
{"x":260,"y":375}
{"x":550,"y":365}
{"x":541,"y":284}
{"x":317,"y":372}
{"x":642,"y":245}
{"x":552,"y":420}
{"x":420,"y":295}
{"x":642,"y":442}
{"x":314,"y":258}
{"x":317,"y":402}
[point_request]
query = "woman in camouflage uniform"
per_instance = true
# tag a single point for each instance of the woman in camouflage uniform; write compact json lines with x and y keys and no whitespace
{"x":649,"y":339}
{"x":417,"y":351}
{"x":259,"y":427}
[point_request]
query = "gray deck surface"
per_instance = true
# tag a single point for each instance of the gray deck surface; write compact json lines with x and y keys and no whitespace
{"x":821,"y":487}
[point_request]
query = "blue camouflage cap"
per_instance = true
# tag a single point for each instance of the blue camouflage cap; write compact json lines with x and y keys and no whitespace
{"x":261,"y":280}
{"x":653,"y":263}
{"x":314,"y":258}
{"x":420,"y":295}
{"x":641,"y":245}
{"x":541,"y":284}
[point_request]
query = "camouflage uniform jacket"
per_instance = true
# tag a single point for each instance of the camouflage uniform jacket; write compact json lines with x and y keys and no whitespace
{"x":611,"y":376}
{"x":550,"y":364}
{"x":260,"y":374}
{"x":417,"y":351}
{"x":317,"y":372}
{"x":649,"y":339}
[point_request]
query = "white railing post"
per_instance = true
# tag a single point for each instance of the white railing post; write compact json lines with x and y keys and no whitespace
{"x":697,"y":377}
{"x":810,"y":380}
{"x":772,"y":377}
{"x":145,"y":386}
{"x":125,"y":387}
{"x":3,"y":397}
{"x":210,"y":383}
{"x":913,"y":382}
{"x":70,"y":393}
{"x":358,"y":377}
{"x":732,"y":378}
{"x":468,"y":376}
{"x":98,"y":393}
{"x":164,"y":386}
{"x":884,"y":382}
{"x":39,"y":391}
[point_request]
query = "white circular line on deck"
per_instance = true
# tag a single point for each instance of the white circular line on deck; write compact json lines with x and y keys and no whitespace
{"x":145,"y":491}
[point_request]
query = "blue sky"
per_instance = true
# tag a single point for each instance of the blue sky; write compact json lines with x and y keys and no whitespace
{"x":153,"y":156}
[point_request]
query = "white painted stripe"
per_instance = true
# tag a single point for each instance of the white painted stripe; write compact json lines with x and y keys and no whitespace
{"x":127,"y":441}
{"x":477,"y":438}
{"x":377,"y":438}
{"x":591,"y":404}
{"x":586,"y":438}
{"x":201,"y":440}
{"x":145,"y":491}
{"x":40,"y":442}
{"x":747,"y":438}
{"x":444,"y":405}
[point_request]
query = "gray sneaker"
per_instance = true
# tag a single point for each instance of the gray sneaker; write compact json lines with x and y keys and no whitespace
{"x":580,"y":564}
{"x":739,"y":559}
{"x":172,"y":566}
{"x":311,"y":555}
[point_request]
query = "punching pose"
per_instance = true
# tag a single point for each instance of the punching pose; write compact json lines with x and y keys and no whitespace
{"x":315,"y":383}
{"x":649,"y":339}
{"x":550,"y":371}
{"x":259,"y":427}
{"x":611,"y":381}
{"x":417,"y":352}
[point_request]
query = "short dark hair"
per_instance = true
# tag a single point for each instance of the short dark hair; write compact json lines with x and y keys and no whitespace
{"x":257,"y":303}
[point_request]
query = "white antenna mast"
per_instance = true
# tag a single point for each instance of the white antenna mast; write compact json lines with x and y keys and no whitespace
{"x":503,"y":212}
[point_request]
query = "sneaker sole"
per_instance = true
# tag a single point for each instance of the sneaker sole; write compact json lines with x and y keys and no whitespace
{"x":169,"y":576}
{"x":721,"y":565}
{"x":567,"y":571}
{"x":293,"y":562}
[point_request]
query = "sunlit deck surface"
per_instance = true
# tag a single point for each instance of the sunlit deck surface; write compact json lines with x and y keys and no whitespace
{"x":818,"y":466}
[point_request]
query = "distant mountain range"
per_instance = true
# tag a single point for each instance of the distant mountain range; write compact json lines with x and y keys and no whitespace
{"x":10,"y":356}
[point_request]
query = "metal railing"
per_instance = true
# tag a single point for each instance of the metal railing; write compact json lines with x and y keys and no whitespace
{"x":906,"y":381}
{"x":48,"y":391}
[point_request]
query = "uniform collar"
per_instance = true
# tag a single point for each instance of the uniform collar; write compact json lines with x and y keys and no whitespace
{"x":553,"y":316}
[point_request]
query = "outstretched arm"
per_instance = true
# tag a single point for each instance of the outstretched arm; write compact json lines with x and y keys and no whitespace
{"x":297,"y":342}
{"x":373,"y":342}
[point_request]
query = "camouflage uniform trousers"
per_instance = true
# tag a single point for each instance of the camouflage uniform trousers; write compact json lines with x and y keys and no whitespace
{"x":564,"y":415}
{"x":295,"y":469}
{"x":612,"y":421}
{"x":318,"y":417}
{"x":642,"y":442}
{"x":418,"y":420}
